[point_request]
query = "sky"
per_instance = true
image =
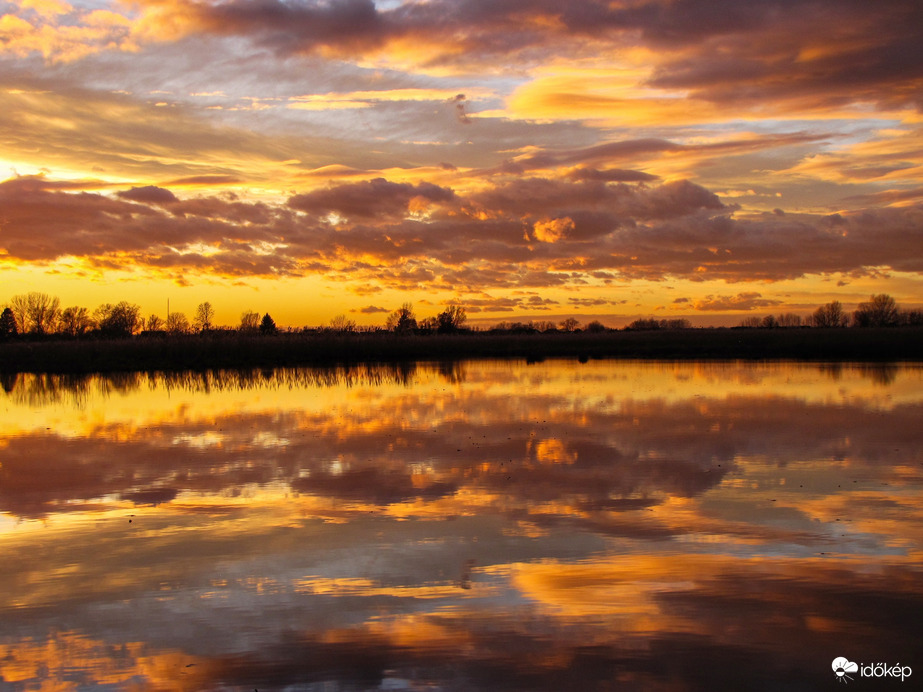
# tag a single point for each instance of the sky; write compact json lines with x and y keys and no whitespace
{"x":526,"y":159}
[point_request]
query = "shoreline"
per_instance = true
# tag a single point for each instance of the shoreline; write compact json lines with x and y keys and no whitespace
{"x":228,"y":350}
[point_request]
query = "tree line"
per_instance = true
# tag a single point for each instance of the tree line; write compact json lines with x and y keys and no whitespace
{"x":880,"y":310}
{"x":40,"y":315}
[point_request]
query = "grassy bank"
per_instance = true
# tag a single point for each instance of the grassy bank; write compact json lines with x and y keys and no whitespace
{"x":231,"y":350}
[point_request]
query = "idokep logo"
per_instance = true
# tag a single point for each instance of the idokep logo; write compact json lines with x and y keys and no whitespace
{"x":842,"y":667}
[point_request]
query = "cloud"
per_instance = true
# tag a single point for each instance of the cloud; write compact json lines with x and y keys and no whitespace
{"x":552,"y":230}
{"x":528,"y":232}
{"x":204,"y":181}
{"x":742,"y":301}
{"x":149,"y":194}
{"x":771,"y":55}
{"x":371,"y":198}
{"x":614,"y":175}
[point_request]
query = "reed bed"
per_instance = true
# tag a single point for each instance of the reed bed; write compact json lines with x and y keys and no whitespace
{"x":233,"y":350}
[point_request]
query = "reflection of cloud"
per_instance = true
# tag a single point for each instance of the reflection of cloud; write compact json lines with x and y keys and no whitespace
{"x":369,"y":485}
{"x":483,"y":452}
{"x":606,"y":517}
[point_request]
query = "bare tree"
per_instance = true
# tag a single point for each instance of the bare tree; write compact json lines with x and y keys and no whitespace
{"x":402,"y":320}
{"x":74,"y":321}
{"x":20,"y":306}
{"x":829,"y":315}
{"x":880,"y":311}
{"x":204,"y":314}
{"x":154,"y":323}
{"x":570,"y":325}
{"x":249,"y":322}
{"x":177,"y":323}
{"x":120,"y":320}
{"x":789,"y":320}
{"x":451,"y":319}
{"x":341,"y":323}
{"x":35,"y":312}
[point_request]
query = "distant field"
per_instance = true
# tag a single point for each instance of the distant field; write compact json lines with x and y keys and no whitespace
{"x":231,"y":350}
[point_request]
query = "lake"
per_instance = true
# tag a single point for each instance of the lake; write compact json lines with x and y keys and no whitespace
{"x":467,"y":525}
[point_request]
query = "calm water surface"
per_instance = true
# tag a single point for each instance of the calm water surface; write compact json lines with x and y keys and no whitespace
{"x":483,"y":525}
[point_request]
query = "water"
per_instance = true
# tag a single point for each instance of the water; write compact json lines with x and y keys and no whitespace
{"x":482,"y":525}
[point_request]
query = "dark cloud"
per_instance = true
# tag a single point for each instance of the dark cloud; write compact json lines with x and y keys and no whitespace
{"x":459,"y":102}
{"x":297,"y":27}
{"x":521,"y":232}
{"x":149,"y":194}
{"x":206,"y":180}
{"x":886,"y":197}
{"x":615,"y":175}
{"x":724,"y":51}
{"x":369,"y":199}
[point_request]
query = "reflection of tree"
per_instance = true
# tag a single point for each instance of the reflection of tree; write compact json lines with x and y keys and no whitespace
{"x":882,"y":374}
{"x":832,"y":370}
{"x":8,"y":381}
{"x":453,"y":371}
{"x":45,"y":389}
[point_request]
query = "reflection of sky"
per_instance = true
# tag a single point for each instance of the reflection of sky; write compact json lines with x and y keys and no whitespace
{"x":266,"y":532}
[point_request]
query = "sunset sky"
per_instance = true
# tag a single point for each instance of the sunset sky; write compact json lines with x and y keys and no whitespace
{"x":526,"y":159}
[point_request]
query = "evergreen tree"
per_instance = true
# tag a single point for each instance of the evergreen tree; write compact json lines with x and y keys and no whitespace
{"x":267,"y":325}
{"x":7,"y":324}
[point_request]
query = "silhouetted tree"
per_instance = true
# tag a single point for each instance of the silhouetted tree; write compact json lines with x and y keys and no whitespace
{"x":643,"y":325}
{"x":751,"y":322}
{"x":570,"y":325}
{"x":341,"y":323}
{"x":36,"y":313}
{"x":121,"y":320}
{"x":769,"y":322}
{"x":19,"y":307}
{"x":204,"y":314}
{"x":677,"y":323}
{"x":522,"y":328}
{"x":402,"y":320}
{"x":880,"y":311}
{"x":912,"y":318}
{"x":154,"y":324}
{"x":249,"y":322}
{"x":829,"y":315}
{"x":7,"y":324}
{"x":451,"y":319}
{"x":74,"y":321}
{"x":428,"y":325}
{"x":789,"y":320}
{"x":595,"y":327}
{"x":177,"y":323}
{"x":267,"y":325}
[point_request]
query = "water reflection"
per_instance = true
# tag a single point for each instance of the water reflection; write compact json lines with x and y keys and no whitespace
{"x":458,"y":526}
